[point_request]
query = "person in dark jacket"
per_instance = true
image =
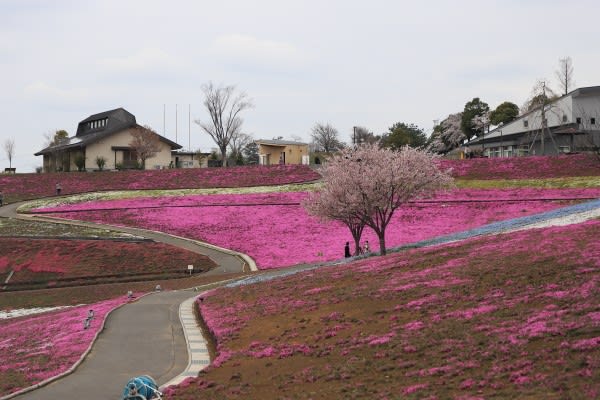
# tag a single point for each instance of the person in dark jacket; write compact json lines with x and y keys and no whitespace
{"x":347,"y":250}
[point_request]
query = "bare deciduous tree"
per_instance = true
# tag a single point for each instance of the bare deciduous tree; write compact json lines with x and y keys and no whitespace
{"x":9,"y":149}
{"x":564,"y":73}
{"x":325,"y":138}
{"x":540,"y":95}
{"x":237,"y":143}
{"x":362,"y":135}
{"x":224,"y":107}
{"x":145,"y":143}
{"x":53,"y":140}
{"x":56,"y":137}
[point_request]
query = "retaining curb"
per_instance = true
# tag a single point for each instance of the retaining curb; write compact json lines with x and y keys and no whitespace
{"x":198,"y":355}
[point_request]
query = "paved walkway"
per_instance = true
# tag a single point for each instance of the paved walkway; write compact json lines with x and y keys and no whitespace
{"x":144,"y":337}
{"x":147,"y":337}
{"x":157,"y":335}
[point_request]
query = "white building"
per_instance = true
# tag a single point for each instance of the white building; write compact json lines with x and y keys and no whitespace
{"x":572,"y":125}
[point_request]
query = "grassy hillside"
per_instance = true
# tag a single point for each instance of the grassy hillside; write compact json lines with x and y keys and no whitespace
{"x":32,"y":186}
{"x":525,"y":167}
{"x":515,"y":315}
{"x":55,"y":262}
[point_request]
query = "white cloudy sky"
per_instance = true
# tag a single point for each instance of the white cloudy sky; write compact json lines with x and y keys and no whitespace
{"x":368,"y":63}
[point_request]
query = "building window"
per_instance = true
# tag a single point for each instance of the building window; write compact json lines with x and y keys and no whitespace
{"x":593,"y":121}
{"x":525,"y":123}
{"x":523,"y":150}
{"x":578,"y":120}
{"x":564,"y":118}
{"x":564,"y":149}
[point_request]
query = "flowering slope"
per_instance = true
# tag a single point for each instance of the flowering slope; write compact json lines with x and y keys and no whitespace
{"x":33,"y":349}
{"x":510,"y":316}
{"x":524,"y":167}
{"x":53,"y":259}
{"x":28,"y":186}
{"x":276,"y":231}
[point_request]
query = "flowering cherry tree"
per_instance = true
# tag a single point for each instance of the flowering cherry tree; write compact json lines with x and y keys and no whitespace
{"x":331,"y":203}
{"x":447,"y":135}
{"x":366,"y":185}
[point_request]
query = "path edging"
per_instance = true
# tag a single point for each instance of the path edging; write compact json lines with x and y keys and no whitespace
{"x":245,"y":258}
{"x":77,"y":363}
{"x":198,"y":355}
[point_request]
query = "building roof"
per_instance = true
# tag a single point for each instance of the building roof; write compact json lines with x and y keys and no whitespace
{"x":281,"y":143}
{"x":113,"y":121}
{"x":497,"y":131}
{"x":188,"y":153}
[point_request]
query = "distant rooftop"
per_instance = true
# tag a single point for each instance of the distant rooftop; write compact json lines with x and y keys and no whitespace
{"x":279,"y":142}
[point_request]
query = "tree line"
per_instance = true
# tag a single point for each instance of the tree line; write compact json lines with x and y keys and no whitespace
{"x":225,"y":107}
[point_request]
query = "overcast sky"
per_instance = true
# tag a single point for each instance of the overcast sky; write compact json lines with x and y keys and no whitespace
{"x":366,"y":63}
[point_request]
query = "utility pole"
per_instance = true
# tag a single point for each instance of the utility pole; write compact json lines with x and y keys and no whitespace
{"x":543,"y":116}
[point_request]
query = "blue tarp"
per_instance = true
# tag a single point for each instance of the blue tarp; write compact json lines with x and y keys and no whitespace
{"x":141,"y":388}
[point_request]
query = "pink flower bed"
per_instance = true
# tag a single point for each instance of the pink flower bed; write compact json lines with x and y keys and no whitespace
{"x":279,"y":232}
{"x":33,"y":349}
{"x":28,"y":186}
{"x":463,"y":315}
{"x":524,"y":167}
{"x":54,"y":259}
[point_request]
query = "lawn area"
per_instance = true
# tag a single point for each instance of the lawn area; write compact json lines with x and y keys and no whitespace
{"x":275,"y":230}
{"x":509,"y":316}
{"x":57,"y":262}
{"x":31,"y":186}
{"x":12,"y":227}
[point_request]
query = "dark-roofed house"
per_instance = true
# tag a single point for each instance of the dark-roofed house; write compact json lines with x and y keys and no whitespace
{"x":273,"y":152}
{"x":107,"y":135}
{"x":572,"y":124}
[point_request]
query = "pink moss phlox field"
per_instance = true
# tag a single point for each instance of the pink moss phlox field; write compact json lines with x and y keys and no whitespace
{"x":55,"y":259}
{"x":490,"y":326}
{"x":524,"y":167}
{"x":45,"y":345}
{"x":28,"y":186}
{"x":280,"y":232}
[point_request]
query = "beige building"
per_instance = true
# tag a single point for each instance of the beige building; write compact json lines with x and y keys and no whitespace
{"x":106,"y":135}
{"x":189,"y":159}
{"x":282,"y":152}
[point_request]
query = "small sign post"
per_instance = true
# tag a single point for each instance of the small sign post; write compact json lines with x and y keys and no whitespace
{"x":190,"y":268}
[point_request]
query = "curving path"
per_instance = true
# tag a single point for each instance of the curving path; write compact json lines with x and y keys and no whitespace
{"x":147,"y":337}
{"x":228,"y":261}
{"x":144,"y":337}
